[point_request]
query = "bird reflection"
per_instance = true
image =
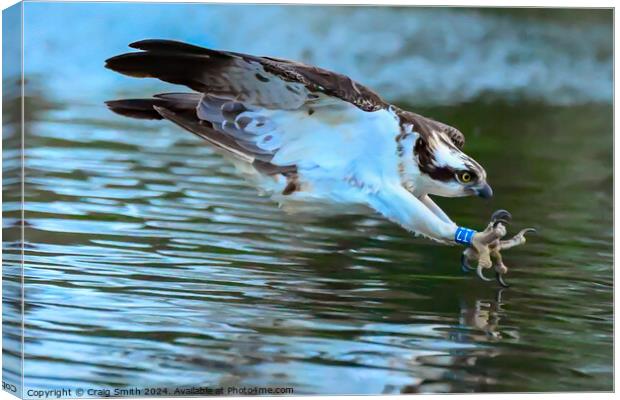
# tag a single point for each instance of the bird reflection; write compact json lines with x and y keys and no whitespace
{"x":483,"y":316}
{"x":456,"y":369}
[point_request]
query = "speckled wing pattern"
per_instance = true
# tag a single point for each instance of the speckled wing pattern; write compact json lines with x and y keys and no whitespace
{"x":245,"y":102}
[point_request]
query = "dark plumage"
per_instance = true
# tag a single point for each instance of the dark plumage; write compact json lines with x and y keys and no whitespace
{"x":213,"y":71}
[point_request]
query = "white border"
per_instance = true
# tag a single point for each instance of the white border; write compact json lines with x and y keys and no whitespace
{"x":453,"y":3}
{"x":448,"y":3}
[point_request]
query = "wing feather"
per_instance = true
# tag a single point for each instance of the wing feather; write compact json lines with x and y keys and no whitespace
{"x":264,"y":81}
{"x":279,"y":114}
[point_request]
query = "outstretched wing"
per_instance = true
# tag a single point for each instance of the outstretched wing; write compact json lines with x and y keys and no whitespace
{"x":275,"y":111}
{"x":261,"y":81}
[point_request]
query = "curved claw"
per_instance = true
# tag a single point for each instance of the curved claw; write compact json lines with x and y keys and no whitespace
{"x":502,"y":216}
{"x":481,"y":275}
{"x":465,"y":265}
{"x":526,"y":230}
{"x":500,"y":279}
{"x":516,"y":240}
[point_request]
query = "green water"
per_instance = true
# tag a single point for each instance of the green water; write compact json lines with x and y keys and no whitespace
{"x":149,"y":263}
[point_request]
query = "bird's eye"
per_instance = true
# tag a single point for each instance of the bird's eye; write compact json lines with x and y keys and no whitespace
{"x":465,"y":176}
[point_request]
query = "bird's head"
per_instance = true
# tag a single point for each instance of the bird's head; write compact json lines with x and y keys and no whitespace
{"x":438,"y":166}
{"x":445,"y":170}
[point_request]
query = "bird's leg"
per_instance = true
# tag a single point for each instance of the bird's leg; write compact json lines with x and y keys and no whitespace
{"x":479,"y":244}
{"x":419,"y":215}
{"x":435,"y":209}
{"x":402,"y":207}
{"x":485,"y":247}
{"x":500,"y":268}
{"x":485,"y":244}
{"x":469,"y":256}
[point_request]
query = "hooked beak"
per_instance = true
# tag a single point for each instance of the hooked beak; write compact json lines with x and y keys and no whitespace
{"x":484,"y":191}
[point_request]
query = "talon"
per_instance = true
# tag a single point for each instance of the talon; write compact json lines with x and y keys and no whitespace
{"x":500,"y":279}
{"x":465,"y":265}
{"x":517,"y":239}
{"x":526,"y":230}
{"x":499,"y":266}
{"x":481,"y":275}
{"x":502,"y":216}
{"x":486,"y":247}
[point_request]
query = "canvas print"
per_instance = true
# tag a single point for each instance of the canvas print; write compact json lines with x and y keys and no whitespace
{"x":242,"y":199}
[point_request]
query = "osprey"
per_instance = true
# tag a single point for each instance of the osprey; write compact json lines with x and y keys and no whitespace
{"x":307,"y":136}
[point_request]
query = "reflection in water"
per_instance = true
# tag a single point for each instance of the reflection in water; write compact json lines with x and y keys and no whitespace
{"x":484,"y":316}
{"x":479,"y":322}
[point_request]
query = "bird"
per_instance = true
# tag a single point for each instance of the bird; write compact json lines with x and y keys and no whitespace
{"x":307,"y":136}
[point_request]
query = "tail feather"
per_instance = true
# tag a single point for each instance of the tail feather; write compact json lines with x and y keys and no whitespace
{"x":145,"y":108}
{"x":136,"y":108}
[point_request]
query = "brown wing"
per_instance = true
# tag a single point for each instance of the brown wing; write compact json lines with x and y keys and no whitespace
{"x":262,"y":81}
{"x":328,"y":82}
{"x":425,"y":125}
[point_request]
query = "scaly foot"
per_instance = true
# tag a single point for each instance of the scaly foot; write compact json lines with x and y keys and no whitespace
{"x":486,"y":247}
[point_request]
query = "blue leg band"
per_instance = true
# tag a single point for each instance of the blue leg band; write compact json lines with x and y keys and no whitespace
{"x":464,"y":235}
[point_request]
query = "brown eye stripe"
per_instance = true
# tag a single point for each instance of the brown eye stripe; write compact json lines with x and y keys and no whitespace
{"x":444,"y":174}
{"x":423,"y":150}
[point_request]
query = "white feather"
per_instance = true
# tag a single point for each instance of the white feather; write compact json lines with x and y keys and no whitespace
{"x":346,"y":158}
